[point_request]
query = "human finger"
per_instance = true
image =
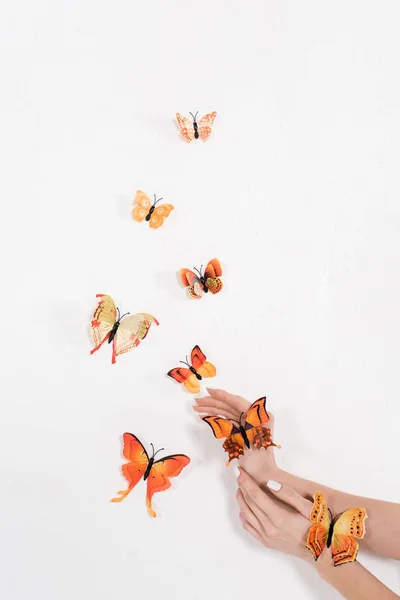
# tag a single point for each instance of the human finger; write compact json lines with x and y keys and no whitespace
{"x":267,"y":527}
{"x":288,"y":495}
{"x":264,"y":501}
{"x":248,"y":527}
{"x":247,"y":512}
{"x":235,"y":402}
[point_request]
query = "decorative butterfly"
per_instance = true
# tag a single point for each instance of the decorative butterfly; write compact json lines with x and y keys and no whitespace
{"x":239,"y":435}
{"x":156,"y":472}
{"x":150,"y":212}
{"x":195,"y":372}
{"x":201,"y":283}
{"x":338,"y":532}
{"x":109,"y":325}
{"x":192,"y":129}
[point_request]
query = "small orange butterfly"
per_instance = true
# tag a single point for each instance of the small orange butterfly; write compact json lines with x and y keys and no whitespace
{"x":337,"y":533}
{"x":203,"y":282}
{"x":152,"y":213}
{"x":194,"y":372}
{"x":191,"y":129}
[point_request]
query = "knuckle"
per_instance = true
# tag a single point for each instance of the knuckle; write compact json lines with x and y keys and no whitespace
{"x":272,"y":532}
{"x":278,"y":521}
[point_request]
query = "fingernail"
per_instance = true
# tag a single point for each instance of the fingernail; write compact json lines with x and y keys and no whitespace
{"x":237,"y":469}
{"x":274,"y":485}
{"x":210,"y":389}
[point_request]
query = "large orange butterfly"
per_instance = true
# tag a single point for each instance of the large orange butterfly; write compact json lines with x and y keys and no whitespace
{"x":195,"y":372}
{"x":239,"y":435}
{"x":156,"y":472}
{"x":338,"y":532}
{"x":191,"y":130}
{"x":124,"y":334}
{"x":201,"y":283}
{"x":153,"y":214}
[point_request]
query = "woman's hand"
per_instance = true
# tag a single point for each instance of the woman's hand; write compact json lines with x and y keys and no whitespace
{"x":258,"y":463}
{"x":278,"y":518}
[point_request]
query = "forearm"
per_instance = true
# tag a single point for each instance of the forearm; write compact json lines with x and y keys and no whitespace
{"x":383,"y":524}
{"x":353,"y":581}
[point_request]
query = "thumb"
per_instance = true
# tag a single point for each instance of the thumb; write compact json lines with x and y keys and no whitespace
{"x":291,"y":497}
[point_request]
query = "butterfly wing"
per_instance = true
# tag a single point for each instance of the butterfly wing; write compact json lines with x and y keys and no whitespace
{"x":104,"y":318}
{"x":133,"y":470}
{"x":257,"y":414}
{"x":142,"y":208}
{"x":223,"y":428}
{"x":318,"y":533}
{"x":131,"y":332}
{"x":348,"y":525}
{"x":234,"y":446}
{"x":191,"y":280}
{"x":199,"y":362}
{"x":159,"y":214}
{"x":205,"y":124}
{"x":185,"y":376}
{"x":212,"y":274}
{"x":158,"y":480}
{"x":186,"y":127}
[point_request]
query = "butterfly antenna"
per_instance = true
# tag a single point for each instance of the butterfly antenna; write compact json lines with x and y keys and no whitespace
{"x":158,"y":452}
{"x":193,"y":117}
{"x":184,"y":363}
{"x":152,"y":447}
{"x":156,"y":201}
{"x":119,"y":314}
{"x":119,"y":318}
{"x":199,"y":272}
{"x":240,"y":418}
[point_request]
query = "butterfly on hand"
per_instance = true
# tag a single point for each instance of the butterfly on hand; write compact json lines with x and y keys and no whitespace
{"x":123,"y":333}
{"x":247,"y":431}
{"x":200,"y":283}
{"x":156,"y":472}
{"x":338,"y":533}
{"x":154,"y":214}
{"x":191,"y":129}
{"x":194,"y":372}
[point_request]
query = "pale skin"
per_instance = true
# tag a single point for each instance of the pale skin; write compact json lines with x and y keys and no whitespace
{"x":280,"y":519}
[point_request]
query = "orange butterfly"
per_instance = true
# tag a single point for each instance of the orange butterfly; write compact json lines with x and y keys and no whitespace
{"x":192,"y":129}
{"x":203,"y":282}
{"x":156,"y":472}
{"x":151,"y":212}
{"x":107,"y":325}
{"x":195,"y":372}
{"x":338,"y":532}
{"x":238,"y":436}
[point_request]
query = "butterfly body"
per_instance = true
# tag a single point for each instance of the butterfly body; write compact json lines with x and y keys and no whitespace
{"x":191,"y":129}
{"x":155,"y":472}
{"x":339,"y":533}
{"x":247,"y":431}
{"x":191,"y":374}
{"x":108,"y":325}
{"x":150,"y":213}
{"x":200,"y":282}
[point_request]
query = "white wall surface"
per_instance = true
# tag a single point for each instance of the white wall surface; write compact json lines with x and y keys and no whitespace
{"x":297,"y":192}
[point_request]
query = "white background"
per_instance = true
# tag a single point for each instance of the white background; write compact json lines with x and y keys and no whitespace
{"x":296,"y":192}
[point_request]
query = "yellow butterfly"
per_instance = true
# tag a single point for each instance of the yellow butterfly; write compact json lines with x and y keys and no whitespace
{"x":338,"y":533}
{"x":124,"y":334}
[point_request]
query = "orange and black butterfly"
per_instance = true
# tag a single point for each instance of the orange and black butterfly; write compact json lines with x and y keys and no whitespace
{"x":194,"y":372}
{"x":200,"y":283}
{"x":152,"y":213}
{"x":247,"y":431}
{"x":338,"y":533}
{"x":156,"y":472}
{"x":191,"y":130}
